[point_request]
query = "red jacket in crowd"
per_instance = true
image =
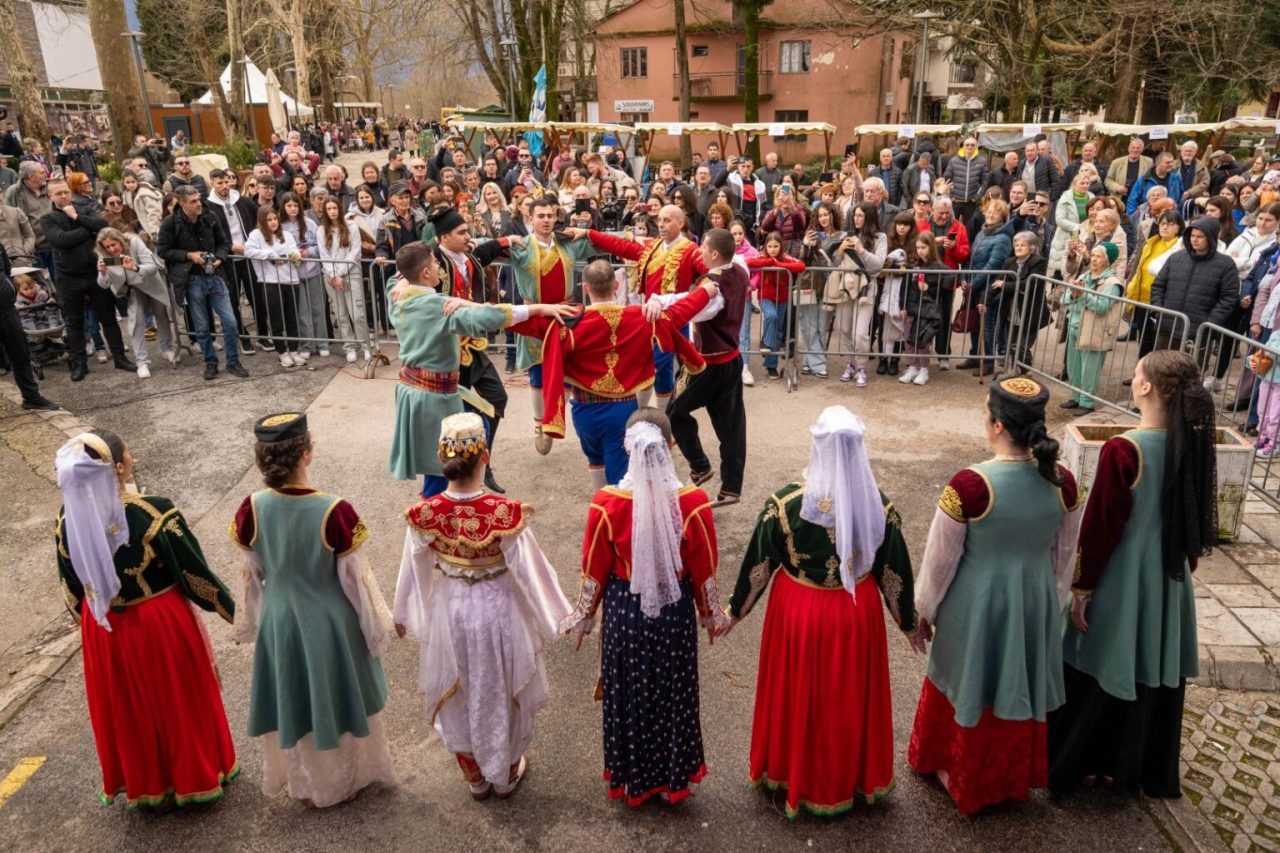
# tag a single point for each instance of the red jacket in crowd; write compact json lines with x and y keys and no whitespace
{"x":773,"y":282}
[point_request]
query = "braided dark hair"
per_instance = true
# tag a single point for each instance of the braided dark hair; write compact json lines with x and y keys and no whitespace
{"x":1188,"y":498}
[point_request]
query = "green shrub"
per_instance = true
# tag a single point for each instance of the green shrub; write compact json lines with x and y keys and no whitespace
{"x":109,"y":171}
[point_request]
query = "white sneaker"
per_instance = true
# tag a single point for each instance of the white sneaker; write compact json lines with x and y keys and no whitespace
{"x":217,"y":343}
{"x":144,"y":372}
{"x":364,"y":354}
{"x":910,"y":374}
{"x":170,"y":356}
{"x":922,"y":377}
{"x":324,"y":352}
{"x":944,"y":364}
{"x":286,"y":359}
{"x":860,"y":377}
{"x":300,"y":357}
{"x":1212,"y":384}
{"x":88,"y":347}
{"x":102,"y":356}
{"x":747,"y":379}
{"x":351,"y":356}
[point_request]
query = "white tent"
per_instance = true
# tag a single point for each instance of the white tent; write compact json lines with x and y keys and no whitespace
{"x":257,"y":86}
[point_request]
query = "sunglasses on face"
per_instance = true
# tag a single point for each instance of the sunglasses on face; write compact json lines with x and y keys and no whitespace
{"x":922,"y":201}
{"x":182,"y":163}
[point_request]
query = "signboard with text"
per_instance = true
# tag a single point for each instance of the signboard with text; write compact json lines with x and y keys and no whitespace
{"x":633,"y":106}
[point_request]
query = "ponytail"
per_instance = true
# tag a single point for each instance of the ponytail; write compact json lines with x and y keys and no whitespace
{"x":1045,"y":451}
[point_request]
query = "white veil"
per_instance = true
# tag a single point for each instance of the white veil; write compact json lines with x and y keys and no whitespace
{"x":95,"y":522}
{"x":655,"y":518}
{"x":841,"y":492}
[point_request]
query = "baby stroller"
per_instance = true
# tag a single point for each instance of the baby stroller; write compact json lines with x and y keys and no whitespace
{"x":42,"y":325}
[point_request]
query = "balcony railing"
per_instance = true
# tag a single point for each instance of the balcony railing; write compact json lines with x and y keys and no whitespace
{"x":712,"y":85}
{"x":964,"y":73}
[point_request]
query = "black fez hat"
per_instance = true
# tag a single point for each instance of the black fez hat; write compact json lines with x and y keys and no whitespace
{"x":445,"y":219}
{"x":280,"y":427}
{"x":1023,"y":391}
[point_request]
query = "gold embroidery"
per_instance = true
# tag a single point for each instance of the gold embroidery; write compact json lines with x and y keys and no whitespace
{"x":758,"y":578}
{"x":668,"y":259}
{"x":1021,"y":387}
{"x":359,"y":534}
{"x":207,"y":590}
{"x":798,"y":558}
{"x":281,"y":420}
{"x":833,"y":566}
{"x":891,"y":585}
{"x":825,"y":504}
{"x":950,"y":503}
{"x":609,"y":384}
{"x":172,"y":526}
{"x":69,"y":598}
{"x":60,"y":538}
{"x":113,"y":530}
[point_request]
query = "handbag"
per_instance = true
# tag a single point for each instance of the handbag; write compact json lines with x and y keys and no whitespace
{"x":967,"y":318}
{"x":1260,"y":361}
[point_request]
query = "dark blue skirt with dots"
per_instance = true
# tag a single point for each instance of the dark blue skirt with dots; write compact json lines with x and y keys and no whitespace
{"x":652,"y":724}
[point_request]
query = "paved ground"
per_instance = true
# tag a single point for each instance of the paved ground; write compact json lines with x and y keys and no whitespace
{"x":193,"y":440}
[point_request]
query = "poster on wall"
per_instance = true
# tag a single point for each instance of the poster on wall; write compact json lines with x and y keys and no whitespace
{"x":90,"y":120}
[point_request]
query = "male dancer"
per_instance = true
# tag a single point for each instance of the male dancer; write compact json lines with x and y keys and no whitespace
{"x":430,"y":386}
{"x":605,"y":357}
{"x":717,"y":388}
{"x":667,"y":265}
{"x":462,"y":276}
{"x":543,"y":268}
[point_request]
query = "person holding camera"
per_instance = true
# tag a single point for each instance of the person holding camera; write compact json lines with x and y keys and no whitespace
{"x":72,"y":235}
{"x":194,"y":246}
{"x":154,"y":151}
{"x":129,"y":270}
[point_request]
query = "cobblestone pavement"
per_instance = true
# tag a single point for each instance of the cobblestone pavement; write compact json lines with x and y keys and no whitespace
{"x":1231,"y":765}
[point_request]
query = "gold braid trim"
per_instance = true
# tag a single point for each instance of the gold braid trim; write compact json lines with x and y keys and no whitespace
{"x":206,"y":590}
{"x":359,"y":535}
{"x":949,"y":502}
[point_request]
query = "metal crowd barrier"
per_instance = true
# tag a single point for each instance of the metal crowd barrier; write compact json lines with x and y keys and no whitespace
{"x":1095,"y":377}
{"x":818,"y":327}
{"x":1248,"y":402}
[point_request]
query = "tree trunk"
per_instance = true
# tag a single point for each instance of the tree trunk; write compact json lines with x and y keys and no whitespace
{"x":682,"y":74}
{"x":751,"y":70}
{"x":22,"y":78}
{"x":552,"y":25}
{"x":327,"y":73}
{"x":234,"y":120}
{"x":119,"y":74}
{"x":301,"y":58}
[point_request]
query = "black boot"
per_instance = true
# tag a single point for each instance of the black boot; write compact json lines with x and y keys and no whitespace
{"x":123,"y":363}
{"x":893,"y":367}
{"x":882,"y":366}
{"x":79,"y":370}
{"x":490,"y":483}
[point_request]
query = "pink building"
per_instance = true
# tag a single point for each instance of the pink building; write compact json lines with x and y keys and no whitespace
{"x":812,"y":68}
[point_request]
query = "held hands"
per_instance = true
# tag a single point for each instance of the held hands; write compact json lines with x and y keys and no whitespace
{"x":453,"y":303}
{"x":400,"y":631}
{"x":575,"y":233}
{"x":921,"y":637}
{"x":517,"y":240}
{"x":652,"y":309}
{"x":579,"y":630}
{"x":337,"y":283}
{"x":718,"y":623}
{"x":1079,"y":603}
{"x":554,"y":312}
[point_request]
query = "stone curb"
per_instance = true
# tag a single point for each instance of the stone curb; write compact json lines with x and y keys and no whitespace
{"x":1238,"y":668}
{"x":1186,"y":827}
{"x":43,"y":664}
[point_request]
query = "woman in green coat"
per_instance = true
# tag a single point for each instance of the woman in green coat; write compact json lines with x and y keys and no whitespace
{"x":1131,"y":644}
{"x":320,"y":622}
{"x":1093,"y":319}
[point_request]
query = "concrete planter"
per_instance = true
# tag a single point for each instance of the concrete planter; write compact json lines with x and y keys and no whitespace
{"x":1084,"y":442}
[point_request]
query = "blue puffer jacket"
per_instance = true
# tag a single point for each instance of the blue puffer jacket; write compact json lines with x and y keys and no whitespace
{"x":989,"y":252}
{"x":1138,"y":194}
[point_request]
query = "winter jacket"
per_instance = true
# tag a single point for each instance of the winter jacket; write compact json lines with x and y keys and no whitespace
{"x":1137,"y":195}
{"x":1144,"y":272}
{"x":175,"y":180}
{"x":774,"y":283}
{"x":1118,"y":171}
{"x":74,"y":256}
{"x":1199,"y":179}
{"x":790,"y":226}
{"x":1046,"y":174}
{"x":911,"y":183}
{"x":1204,"y":287}
{"x":734,"y":183}
{"x":148,"y":278}
{"x":1066,"y":218}
{"x":968,"y":176}
{"x":891,"y":177}
{"x":1029,"y":294}
{"x":33,"y":206}
{"x":956,"y":256}
{"x":1261,"y":281}
{"x":243,"y":208}
{"x":16,"y":234}
{"x":148,"y":203}
{"x":179,"y":235}
{"x":988,"y":252}
{"x":1247,"y":248}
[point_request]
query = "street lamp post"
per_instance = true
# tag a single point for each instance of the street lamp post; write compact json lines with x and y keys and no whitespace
{"x":925,"y":17}
{"x":508,"y":45}
{"x":133,"y":36}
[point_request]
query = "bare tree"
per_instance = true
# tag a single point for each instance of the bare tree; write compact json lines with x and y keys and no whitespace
{"x":22,"y":77}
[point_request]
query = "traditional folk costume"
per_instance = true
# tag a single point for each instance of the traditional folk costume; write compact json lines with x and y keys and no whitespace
{"x":480,"y":596}
{"x":430,"y":386}
{"x":823,"y":724}
{"x":650,"y":554}
{"x":661,"y":268}
{"x":312,"y":605}
{"x":994,"y":578}
{"x":544,"y":274}
{"x":718,"y":388}
{"x":131,"y":568}
{"x":1125,"y":676}
{"x":463,"y":276}
{"x":604,"y":358}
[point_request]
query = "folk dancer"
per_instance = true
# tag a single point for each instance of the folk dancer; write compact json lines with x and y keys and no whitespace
{"x":718,"y":388}
{"x":483,"y":601}
{"x":543,"y":267}
{"x":650,"y":554}
{"x":1131,"y":644}
{"x":430,"y":353}
{"x":994,"y":579}
{"x":130,"y":569}
{"x":604,"y":356}
{"x":311,"y":604}
{"x":669,"y":264}
{"x":462,"y":276}
{"x":823,"y":723}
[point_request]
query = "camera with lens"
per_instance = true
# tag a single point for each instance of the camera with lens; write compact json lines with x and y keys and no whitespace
{"x":611,"y":214}
{"x":206,"y":262}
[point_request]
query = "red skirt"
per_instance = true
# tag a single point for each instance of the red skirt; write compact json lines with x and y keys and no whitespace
{"x":823,"y":726}
{"x":155,"y":705}
{"x":994,"y":761}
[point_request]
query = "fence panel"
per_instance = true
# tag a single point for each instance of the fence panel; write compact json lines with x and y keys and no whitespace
{"x":1247,"y":400}
{"x":1097,"y":371}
